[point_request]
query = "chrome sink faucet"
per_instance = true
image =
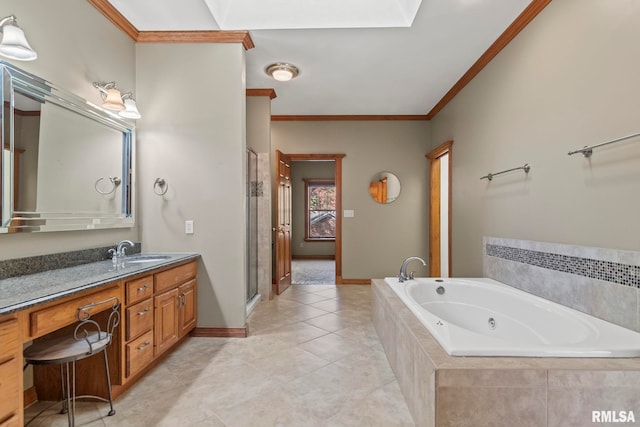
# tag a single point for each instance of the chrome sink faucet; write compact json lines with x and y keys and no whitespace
{"x":403,"y":269}
{"x":120,"y":251}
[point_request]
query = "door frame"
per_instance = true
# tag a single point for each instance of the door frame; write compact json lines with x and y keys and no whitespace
{"x":337,"y":159}
{"x":434,"y":156}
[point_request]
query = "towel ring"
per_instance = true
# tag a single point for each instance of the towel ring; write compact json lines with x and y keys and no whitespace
{"x":162,"y":184}
{"x":115,"y":182}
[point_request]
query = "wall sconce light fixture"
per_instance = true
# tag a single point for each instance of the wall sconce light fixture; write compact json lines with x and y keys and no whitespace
{"x":113,"y":100}
{"x":14,"y":44}
{"x":111,"y":97}
{"x":282,"y":72}
{"x":130,"y":108}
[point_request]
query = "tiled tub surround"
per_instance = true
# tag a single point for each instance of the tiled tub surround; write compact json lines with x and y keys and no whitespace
{"x":604,"y":283}
{"x":21,"y":292}
{"x":442,"y":390}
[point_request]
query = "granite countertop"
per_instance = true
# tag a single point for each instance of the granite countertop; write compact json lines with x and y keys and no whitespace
{"x":19,"y":293}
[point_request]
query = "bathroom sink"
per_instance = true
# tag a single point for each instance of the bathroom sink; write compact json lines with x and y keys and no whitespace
{"x":145,"y":258}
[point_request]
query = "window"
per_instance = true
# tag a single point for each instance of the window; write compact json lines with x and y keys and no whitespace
{"x":320,"y":209}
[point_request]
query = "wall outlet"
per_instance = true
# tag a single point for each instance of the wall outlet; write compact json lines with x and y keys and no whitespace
{"x":349,"y":213}
{"x":188,"y":226}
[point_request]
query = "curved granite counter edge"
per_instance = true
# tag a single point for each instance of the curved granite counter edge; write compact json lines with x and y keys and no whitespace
{"x":22,"y":292}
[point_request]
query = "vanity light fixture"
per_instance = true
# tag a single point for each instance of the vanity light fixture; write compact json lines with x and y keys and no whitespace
{"x":130,"y":108}
{"x":111,"y":97}
{"x":282,"y":72}
{"x":14,"y":44}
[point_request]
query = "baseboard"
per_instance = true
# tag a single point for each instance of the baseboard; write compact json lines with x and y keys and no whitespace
{"x":314,"y":257}
{"x":355,"y":282}
{"x":220,"y":332}
{"x":30,"y":396}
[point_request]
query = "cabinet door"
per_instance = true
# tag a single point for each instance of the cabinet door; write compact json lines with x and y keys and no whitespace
{"x":188,"y":306}
{"x":166,"y":320}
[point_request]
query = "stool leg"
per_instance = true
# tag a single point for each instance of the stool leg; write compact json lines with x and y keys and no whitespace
{"x":64,"y":408}
{"x":112,"y":412}
{"x":72,"y":422}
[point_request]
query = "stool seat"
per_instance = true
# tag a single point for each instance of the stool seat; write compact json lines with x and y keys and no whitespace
{"x":66,"y":349}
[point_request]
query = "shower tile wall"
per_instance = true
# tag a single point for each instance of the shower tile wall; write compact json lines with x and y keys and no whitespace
{"x":602,"y":282}
{"x":263,"y":192}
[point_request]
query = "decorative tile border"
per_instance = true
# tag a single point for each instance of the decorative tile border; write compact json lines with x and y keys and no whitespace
{"x":37,"y":264}
{"x":257,"y":188}
{"x":623,"y":274}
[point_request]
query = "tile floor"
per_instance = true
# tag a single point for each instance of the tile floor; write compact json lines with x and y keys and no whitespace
{"x":312,"y":358}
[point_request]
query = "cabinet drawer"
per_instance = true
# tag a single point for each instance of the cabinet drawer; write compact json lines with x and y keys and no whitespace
{"x":170,"y":278}
{"x":57,"y":316}
{"x":10,"y":388}
{"x":139,"y":289}
{"x":139,"y":318}
{"x":9,"y":338}
{"x":139,"y":353}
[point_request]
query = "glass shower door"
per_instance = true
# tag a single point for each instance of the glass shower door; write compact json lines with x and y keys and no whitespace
{"x":252,"y":225}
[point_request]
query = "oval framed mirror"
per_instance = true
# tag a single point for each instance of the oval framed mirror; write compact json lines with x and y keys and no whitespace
{"x":384,"y":187}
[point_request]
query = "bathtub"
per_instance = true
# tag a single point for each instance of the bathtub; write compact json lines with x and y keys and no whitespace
{"x":483,"y":317}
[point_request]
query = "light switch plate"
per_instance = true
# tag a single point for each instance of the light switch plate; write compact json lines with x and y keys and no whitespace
{"x":188,"y":226}
{"x":349,"y":213}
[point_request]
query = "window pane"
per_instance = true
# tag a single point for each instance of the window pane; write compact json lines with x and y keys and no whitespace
{"x":322,"y":197}
{"x":322,"y":224}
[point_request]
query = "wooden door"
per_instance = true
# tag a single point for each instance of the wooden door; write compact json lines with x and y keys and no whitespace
{"x":283,"y":223}
{"x":440,"y":211}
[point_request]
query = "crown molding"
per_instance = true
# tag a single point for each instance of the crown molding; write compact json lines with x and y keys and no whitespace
{"x":271,"y":93}
{"x":527,"y":15}
{"x":351,"y":118}
{"x":196,"y":37}
{"x":117,"y":19}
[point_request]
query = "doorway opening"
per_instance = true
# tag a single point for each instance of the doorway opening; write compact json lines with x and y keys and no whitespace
{"x":308,"y":220}
{"x":440,"y":211}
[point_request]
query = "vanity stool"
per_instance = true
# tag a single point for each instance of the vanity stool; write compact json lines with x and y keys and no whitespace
{"x":88,"y":339}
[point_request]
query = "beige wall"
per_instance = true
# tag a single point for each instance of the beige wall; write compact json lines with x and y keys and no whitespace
{"x":570,"y":79}
{"x":379,"y":237}
{"x":259,"y":140}
{"x":193,"y":135}
{"x":300,"y":171}
{"x":76,"y":45}
{"x":259,"y":123}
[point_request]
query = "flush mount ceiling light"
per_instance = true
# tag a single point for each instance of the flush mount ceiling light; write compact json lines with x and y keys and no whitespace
{"x":282,"y":72}
{"x":14,"y":44}
{"x":111,"y":97}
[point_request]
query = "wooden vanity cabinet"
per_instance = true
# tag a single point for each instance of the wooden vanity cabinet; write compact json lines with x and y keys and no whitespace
{"x":175,"y":305}
{"x":138,"y":324}
{"x":160,"y":310}
{"x":10,"y":372}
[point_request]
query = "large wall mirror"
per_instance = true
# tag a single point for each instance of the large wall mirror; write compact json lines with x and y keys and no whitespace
{"x":66,"y":164}
{"x":384,"y":187}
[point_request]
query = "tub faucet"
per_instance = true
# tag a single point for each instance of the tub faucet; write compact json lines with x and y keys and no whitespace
{"x":403,"y":269}
{"x":120,"y":251}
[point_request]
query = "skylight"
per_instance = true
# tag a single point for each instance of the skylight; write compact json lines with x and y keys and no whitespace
{"x":294,"y":14}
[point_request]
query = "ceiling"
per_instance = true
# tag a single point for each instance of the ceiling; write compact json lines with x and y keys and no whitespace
{"x":350,"y":71}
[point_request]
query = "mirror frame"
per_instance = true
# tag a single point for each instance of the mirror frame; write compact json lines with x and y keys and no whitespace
{"x":15,"y":80}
